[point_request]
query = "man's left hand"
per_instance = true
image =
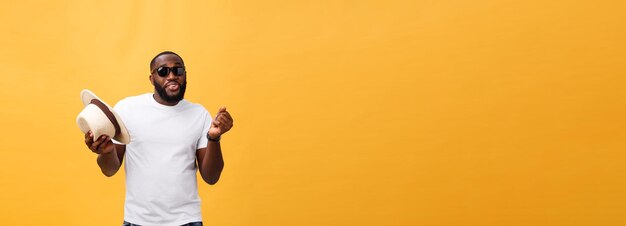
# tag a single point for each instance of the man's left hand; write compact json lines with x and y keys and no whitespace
{"x":221,"y":123}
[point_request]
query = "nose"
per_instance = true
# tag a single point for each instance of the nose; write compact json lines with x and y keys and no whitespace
{"x":170,"y":75}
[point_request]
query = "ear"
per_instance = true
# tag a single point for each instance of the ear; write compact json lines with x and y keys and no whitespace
{"x":150,"y":78}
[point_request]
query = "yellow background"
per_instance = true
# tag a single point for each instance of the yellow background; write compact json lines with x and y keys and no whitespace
{"x":346,"y":112}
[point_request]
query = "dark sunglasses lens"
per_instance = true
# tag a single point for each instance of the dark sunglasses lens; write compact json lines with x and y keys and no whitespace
{"x":179,"y":71}
{"x":163,"y":71}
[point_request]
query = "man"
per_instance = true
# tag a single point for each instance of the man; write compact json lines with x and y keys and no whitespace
{"x":168,"y":135}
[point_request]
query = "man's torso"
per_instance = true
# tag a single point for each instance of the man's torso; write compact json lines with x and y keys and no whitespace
{"x":160,"y":160}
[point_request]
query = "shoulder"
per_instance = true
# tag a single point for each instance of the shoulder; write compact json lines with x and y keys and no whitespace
{"x":195,"y":107}
{"x":130,"y":101}
{"x":191,"y":105}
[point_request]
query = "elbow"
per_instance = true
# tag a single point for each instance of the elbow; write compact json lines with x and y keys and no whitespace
{"x":108,"y":173}
{"x":213,"y":177}
{"x":211,"y":180}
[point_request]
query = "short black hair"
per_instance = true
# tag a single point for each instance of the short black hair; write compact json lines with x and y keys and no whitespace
{"x":161,"y":54}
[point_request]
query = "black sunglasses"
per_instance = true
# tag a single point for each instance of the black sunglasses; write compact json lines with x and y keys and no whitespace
{"x":164,"y":71}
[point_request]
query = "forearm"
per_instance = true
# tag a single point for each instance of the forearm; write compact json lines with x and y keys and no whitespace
{"x":109,"y":163}
{"x":213,"y":163}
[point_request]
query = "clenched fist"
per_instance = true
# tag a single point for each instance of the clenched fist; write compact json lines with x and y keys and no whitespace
{"x":221,"y":123}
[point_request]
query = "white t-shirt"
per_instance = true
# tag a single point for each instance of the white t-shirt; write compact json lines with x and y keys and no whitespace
{"x":160,"y":160}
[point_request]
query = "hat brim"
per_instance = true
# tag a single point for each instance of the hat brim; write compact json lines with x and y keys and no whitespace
{"x":123,"y":137}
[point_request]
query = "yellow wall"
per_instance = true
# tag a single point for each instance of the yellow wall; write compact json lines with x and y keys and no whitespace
{"x":346,"y":112}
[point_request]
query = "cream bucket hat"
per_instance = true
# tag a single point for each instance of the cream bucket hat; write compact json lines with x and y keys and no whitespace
{"x":100,"y":119}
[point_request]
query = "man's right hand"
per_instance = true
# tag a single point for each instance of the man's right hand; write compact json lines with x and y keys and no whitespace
{"x":102,"y":145}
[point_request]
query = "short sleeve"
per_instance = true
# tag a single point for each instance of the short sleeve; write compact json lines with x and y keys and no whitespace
{"x":202,"y":142}
{"x":120,"y":111}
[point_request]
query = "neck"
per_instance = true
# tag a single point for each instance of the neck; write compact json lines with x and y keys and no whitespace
{"x":161,"y":101}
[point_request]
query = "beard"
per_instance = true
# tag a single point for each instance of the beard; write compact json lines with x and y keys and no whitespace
{"x":172,"y":99}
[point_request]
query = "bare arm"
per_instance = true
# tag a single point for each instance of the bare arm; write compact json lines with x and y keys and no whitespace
{"x":110,"y":155}
{"x":111,"y":162}
{"x":210,"y":160}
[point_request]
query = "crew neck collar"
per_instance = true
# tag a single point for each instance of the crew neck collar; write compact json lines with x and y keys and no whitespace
{"x":159,"y":105}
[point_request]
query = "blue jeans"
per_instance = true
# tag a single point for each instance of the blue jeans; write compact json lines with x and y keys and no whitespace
{"x":189,"y":224}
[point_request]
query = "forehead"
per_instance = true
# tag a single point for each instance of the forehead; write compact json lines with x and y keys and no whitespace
{"x":167,"y":59}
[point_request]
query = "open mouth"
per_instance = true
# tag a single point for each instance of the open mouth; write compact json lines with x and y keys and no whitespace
{"x":172,"y":86}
